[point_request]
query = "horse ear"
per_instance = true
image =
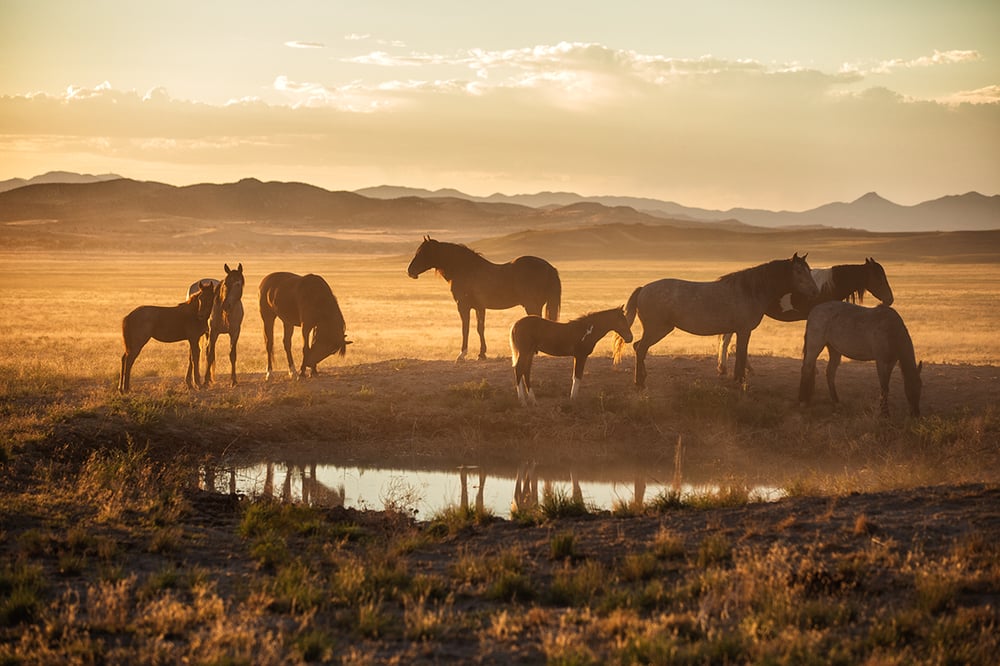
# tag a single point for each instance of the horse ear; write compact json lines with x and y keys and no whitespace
{"x":228,"y":270}
{"x":239,"y":269}
{"x":426,"y":238}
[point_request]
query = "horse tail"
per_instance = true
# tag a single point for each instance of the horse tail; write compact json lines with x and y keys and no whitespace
{"x":630,"y":312}
{"x":553,"y":299}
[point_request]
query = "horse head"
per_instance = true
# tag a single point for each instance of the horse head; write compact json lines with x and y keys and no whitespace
{"x":621,"y":325}
{"x":802,"y":280}
{"x":232,"y":286}
{"x":424,"y":258}
{"x":878,"y":283}
{"x":326,"y":340}
{"x":204,"y":300}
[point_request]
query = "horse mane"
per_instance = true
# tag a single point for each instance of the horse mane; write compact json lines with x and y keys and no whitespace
{"x":588,"y":315}
{"x":854,"y":278}
{"x":760,"y":276}
{"x":464,"y":254}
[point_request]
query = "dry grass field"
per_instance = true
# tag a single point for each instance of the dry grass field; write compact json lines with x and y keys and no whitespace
{"x":883,"y":551}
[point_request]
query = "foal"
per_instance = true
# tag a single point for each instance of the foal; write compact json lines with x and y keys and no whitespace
{"x":186,"y":321}
{"x":532,"y":334}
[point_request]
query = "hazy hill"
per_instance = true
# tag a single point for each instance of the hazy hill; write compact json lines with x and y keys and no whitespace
{"x":251,"y":216}
{"x":56,"y":177}
{"x":870,"y":212}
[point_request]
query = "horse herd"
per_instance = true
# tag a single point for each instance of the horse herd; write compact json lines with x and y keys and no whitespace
{"x":783,"y":289}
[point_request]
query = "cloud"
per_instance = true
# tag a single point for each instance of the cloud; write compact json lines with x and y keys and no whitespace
{"x":305,"y":45}
{"x":581,"y":116}
{"x":936,"y":59}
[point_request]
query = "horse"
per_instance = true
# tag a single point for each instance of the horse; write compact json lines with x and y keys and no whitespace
{"x":577,"y":338}
{"x":226,"y":317}
{"x":734,"y":302}
{"x":478,"y":284}
{"x":306,"y":301}
{"x":185,"y":321}
{"x":836,"y":283}
{"x":863,"y":334}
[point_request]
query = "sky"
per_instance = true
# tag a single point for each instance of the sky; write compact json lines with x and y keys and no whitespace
{"x":766,"y":104}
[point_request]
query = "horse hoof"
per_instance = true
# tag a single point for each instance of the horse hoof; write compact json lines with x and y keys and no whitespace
{"x":482,"y":357}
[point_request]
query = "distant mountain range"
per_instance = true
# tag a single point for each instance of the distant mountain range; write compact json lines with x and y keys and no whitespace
{"x":250,"y":216}
{"x":870,"y":212}
{"x":56,"y":177}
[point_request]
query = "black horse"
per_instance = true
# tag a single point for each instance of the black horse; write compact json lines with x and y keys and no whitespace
{"x":836,"y":283}
{"x":478,"y":284}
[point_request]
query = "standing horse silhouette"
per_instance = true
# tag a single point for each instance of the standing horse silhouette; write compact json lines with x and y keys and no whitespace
{"x":836,"y":283}
{"x":305,"y":301}
{"x":863,"y":334}
{"x":185,"y":321}
{"x":479,"y":284}
{"x":226,"y":317}
{"x":734,"y":302}
{"x":577,"y":338}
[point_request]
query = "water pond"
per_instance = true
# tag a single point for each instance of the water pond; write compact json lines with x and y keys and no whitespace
{"x":426,"y":492}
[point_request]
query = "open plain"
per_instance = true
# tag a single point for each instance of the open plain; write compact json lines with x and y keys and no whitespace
{"x":884,"y":548}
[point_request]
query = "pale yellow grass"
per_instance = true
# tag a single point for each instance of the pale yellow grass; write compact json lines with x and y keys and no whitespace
{"x":62,"y":313}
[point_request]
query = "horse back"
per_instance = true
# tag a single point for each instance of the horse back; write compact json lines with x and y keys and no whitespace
{"x":316,"y":301}
{"x":165,"y":324}
{"x":278,"y":296}
{"x":700,"y":308}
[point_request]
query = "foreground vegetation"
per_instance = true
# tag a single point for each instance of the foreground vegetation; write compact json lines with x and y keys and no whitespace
{"x":118,"y":560}
{"x":884,"y":550}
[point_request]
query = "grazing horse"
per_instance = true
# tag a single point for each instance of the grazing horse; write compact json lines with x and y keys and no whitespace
{"x":227,"y":317}
{"x":186,"y":321}
{"x":734,"y":302}
{"x":863,"y":334}
{"x":836,"y":283}
{"x":306,"y":301}
{"x":478,"y":284}
{"x":532,"y":334}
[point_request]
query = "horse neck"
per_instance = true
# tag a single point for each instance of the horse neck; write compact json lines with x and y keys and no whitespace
{"x":597,"y":324}
{"x":850,"y":280}
{"x":457,"y":260}
{"x":767,"y":282}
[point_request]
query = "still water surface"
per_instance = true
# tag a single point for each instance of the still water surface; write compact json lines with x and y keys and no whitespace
{"x":431,"y":491}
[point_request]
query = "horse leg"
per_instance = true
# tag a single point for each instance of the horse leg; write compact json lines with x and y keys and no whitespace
{"x":481,"y":329}
{"x":194,"y":362}
{"x":884,"y":369}
{"x":578,"y":363}
{"x":286,"y":341}
{"x":128,"y":360}
{"x":724,"y":340}
{"x":268,"y":343}
{"x":831,"y":373}
{"x":742,"y":344}
{"x":306,"y":330}
{"x":213,"y":337}
{"x":807,"y":381}
{"x":234,"y":336}
{"x":522,"y":378}
{"x":463,"y":313}
{"x":649,"y":338}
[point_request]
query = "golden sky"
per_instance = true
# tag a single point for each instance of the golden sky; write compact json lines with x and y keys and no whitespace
{"x":715,"y":104}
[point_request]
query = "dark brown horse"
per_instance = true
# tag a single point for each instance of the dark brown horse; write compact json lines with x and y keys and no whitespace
{"x":577,"y":338}
{"x":186,"y":321}
{"x":226,"y":318}
{"x":479,"y":284}
{"x":836,"y":283}
{"x":306,"y":301}
{"x":863,"y":334}
{"x":734,"y":302}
